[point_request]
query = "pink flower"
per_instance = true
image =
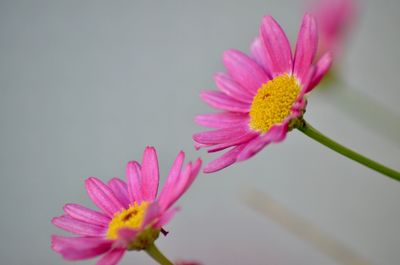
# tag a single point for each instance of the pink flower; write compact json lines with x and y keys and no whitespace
{"x":335,"y":19}
{"x":131,"y":216}
{"x":262,"y":97}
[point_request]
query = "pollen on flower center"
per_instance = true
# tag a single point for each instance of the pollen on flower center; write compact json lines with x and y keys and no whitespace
{"x":273,"y":102}
{"x":127,"y":218}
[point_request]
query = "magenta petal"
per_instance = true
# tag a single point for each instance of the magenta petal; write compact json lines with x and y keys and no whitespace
{"x":112,"y":257}
{"x":276,"y":134}
{"x":181,"y":184}
{"x":185,"y":180}
{"x":134,"y":178}
{"x":177,"y":190}
{"x":87,"y":215}
{"x":259,"y":53}
{"x":244,"y":70}
{"x":277,"y":47}
{"x":163,"y":198}
{"x":306,"y":47}
{"x":193,"y":174}
{"x":253,"y":147}
{"x":198,"y":146}
{"x":77,"y":248}
{"x":225,"y":160}
{"x":234,"y":141}
{"x":322,"y":67}
{"x":78,"y":227}
{"x":222,"y":120}
{"x":152,"y":213}
{"x":166,"y":217}
{"x":307,"y":82}
{"x":103,"y":196}
{"x":220,"y":136}
{"x":126,"y":235}
{"x":120,"y":190}
{"x":150,"y":174}
{"x":232,"y":89}
{"x":221,"y":101}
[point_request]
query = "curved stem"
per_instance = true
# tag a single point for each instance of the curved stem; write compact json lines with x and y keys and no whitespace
{"x":156,"y":254}
{"x":308,"y":130}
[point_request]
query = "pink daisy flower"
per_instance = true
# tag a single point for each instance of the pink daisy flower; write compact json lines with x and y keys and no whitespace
{"x":335,"y":19}
{"x":131,"y":215}
{"x":261,"y":96}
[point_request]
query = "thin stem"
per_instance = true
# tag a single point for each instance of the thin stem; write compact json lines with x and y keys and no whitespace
{"x":156,"y":254}
{"x":308,"y":130}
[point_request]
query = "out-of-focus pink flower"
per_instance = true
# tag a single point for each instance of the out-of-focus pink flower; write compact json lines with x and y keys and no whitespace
{"x":262,"y":96}
{"x":131,"y":215}
{"x":335,"y":20}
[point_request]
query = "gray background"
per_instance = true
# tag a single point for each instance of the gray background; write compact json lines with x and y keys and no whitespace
{"x":86,"y":85}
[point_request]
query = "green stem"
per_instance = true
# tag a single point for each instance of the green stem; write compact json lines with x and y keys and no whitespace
{"x":308,"y":130}
{"x":156,"y":254}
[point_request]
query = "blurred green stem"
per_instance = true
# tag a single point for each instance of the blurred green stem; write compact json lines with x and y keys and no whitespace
{"x":365,"y":110}
{"x":156,"y":254}
{"x":311,"y":132}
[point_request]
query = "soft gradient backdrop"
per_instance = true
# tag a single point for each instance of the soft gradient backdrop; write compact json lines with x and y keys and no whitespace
{"x":86,"y":85}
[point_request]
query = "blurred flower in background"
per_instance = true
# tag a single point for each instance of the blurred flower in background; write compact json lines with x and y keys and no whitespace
{"x":335,"y":21}
{"x":131,"y":216}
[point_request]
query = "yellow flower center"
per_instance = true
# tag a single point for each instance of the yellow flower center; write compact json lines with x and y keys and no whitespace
{"x":273,"y":102}
{"x":127,"y":218}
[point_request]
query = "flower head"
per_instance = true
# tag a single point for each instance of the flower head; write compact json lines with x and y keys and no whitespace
{"x":335,"y":19}
{"x":262,"y":97}
{"x":131,"y":215}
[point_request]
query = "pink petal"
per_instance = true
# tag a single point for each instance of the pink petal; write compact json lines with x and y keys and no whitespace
{"x":222,"y":120}
{"x":184,"y":181}
{"x":166,"y":217}
{"x":120,"y":190}
{"x":244,"y":70}
{"x":277,"y":47}
{"x":103,"y":196}
{"x":177,"y":191}
{"x":193,"y":174}
{"x":225,"y":160}
{"x":87,"y":215}
{"x":134,"y":178}
{"x":234,"y":141}
{"x":276,"y":134}
{"x":171,"y":180}
{"x":220,"y":136}
{"x":150,"y":174}
{"x":221,"y":101}
{"x":260,"y":55}
{"x":125,"y":236}
{"x":78,"y":227}
{"x":198,"y":146}
{"x":77,"y":248}
{"x":322,"y":68}
{"x":232,"y":89}
{"x":306,"y":47}
{"x":112,"y":257}
{"x":307,"y":82}
{"x":153,"y":211}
